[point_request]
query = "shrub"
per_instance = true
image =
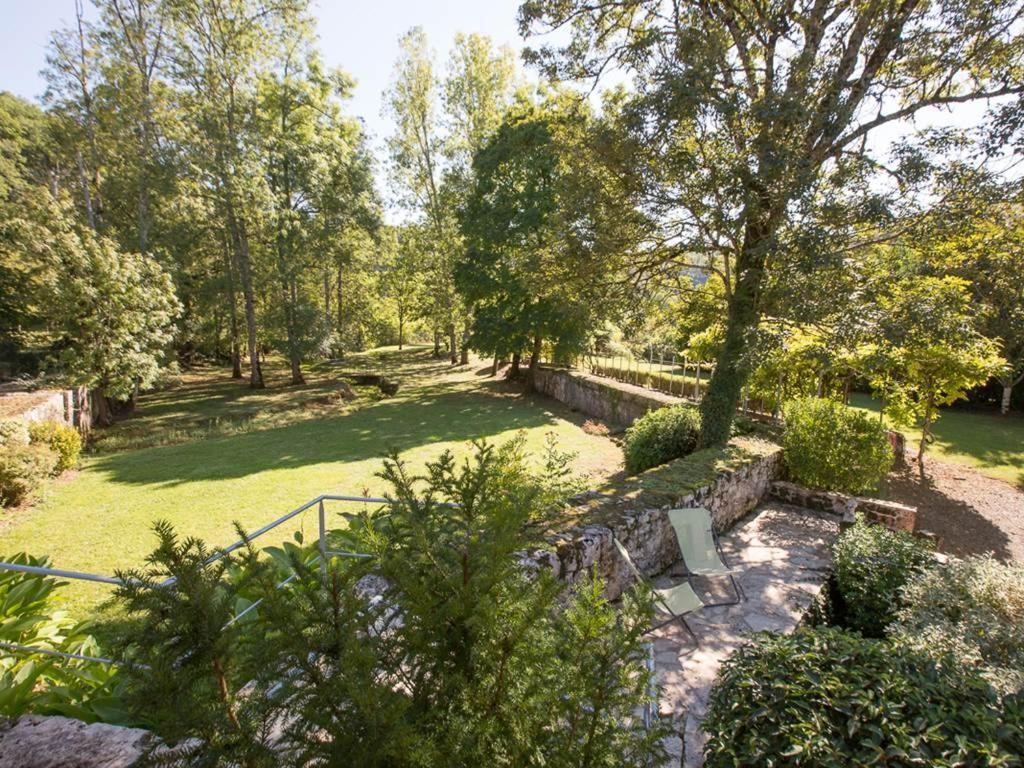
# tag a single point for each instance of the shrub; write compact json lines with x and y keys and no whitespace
{"x":826,"y":697}
{"x":63,"y":440}
{"x":34,"y":682}
{"x":22,"y":470}
{"x":870,"y":566}
{"x":972,"y":610}
{"x":464,"y":658}
{"x":661,"y":435}
{"x":829,"y":445}
{"x":13,"y":432}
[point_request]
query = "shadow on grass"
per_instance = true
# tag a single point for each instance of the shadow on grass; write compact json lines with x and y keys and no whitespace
{"x":444,"y":413}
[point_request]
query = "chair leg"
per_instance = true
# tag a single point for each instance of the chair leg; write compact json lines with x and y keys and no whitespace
{"x":681,"y":620}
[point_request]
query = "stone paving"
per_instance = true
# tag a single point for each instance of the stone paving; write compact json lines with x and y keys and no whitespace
{"x":781,"y":558}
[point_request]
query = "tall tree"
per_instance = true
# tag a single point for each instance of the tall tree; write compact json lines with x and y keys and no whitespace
{"x":755,"y":117}
{"x":220,"y":49}
{"x":417,"y":159}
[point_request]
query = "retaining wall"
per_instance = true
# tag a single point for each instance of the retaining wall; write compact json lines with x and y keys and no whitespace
{"x":644,"y":529}
{"x":606,"y":399}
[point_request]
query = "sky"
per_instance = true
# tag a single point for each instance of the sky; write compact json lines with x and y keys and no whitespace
{"x":360,"y":36}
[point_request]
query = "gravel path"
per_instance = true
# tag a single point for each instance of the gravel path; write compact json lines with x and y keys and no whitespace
{"x":972,"y":513}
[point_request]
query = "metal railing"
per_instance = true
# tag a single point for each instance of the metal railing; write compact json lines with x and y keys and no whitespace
{"x":322,"y":555}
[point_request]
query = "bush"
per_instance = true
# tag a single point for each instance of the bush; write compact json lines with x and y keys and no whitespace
{"x":871,"y":564}
{"x":829,"y":445}
{"x":22,"y":470}
{"x":13,"y":432}
{"x":825,"y":697}
{"x":464,"y":659}
{"x":661,"y":435}
{"x":63,"y":440}
{"x":44,"y":684}
{"x":972,"y":610}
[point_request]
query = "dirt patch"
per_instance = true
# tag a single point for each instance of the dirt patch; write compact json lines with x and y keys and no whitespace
{"x":972,"y":513}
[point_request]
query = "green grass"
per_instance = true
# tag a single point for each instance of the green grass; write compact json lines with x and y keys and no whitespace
{"x":283,"y":454}
{"x":993,"y":444}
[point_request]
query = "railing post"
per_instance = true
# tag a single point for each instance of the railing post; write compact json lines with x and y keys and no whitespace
{"x":323,"y":542}
{"x":696,"y":391}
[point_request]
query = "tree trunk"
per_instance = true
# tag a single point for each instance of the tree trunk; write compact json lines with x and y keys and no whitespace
{"x":1004,"y":406}
{"x":513,"y":371}
{"x":464,"y":353}
{"x":534,"y":362}
{"x":241,"y":243}
{"x":236,"y":346}
{"x":401,"y":328}
{"x":102,"y":412}
{"x":718,"y":407}
{"x":495,"y":364}
{"x":453,"y":347}
{"x":437,"y":343}
{"x":926,"y":429}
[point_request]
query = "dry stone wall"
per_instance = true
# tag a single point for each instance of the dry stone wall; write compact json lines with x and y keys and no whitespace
{"x":645,"y":531}
{"x":612,"y":401}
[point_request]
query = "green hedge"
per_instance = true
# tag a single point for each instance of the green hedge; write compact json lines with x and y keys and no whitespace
{"x":660,"y":436}
{"x":871,"y":564}
{"x":832,"y":446}
{"x":826,"y":697}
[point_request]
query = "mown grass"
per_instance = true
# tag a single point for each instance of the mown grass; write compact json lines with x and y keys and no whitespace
{"x":203,"y":481}
{"x":991,"y":443}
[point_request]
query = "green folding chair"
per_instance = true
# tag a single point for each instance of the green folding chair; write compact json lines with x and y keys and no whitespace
{"x":677,"y":601}
{"x":700,"y":548}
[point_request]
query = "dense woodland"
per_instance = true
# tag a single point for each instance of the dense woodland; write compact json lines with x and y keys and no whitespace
{"x":192,"y":188}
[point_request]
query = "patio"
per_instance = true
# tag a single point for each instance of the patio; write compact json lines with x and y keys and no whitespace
{"x":781,"y":556}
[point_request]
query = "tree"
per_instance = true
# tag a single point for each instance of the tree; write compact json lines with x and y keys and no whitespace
{"x":544,"y":228}
{"x":977,"y":234}
{"x":220,"y":47}
{"x":755,"y":122}
{"x":416,"y":150}
{"x":111,"y":314}
{"x":930,"y":354}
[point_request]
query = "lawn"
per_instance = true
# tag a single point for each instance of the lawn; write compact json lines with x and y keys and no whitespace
{"x":221,"y":453}
{"x":993,"y":444}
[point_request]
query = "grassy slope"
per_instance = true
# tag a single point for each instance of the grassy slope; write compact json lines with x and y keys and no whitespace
{"x":100,"y":520}
{"x":994,"y":444}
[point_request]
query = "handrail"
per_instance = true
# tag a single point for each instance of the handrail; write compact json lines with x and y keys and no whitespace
{"x":93,"y":577}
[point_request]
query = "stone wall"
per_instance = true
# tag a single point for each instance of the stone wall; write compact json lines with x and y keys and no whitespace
{"x":34,"y":741}
{"x":891,"y":514}
{"x":645,"y":531}
{"x":606,"y":399}
{"x":66,"y":406}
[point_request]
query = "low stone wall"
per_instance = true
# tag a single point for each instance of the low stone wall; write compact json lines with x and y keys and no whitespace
{"x":891,"y":514}
{"x":67,"y":406}
{"x":645,"y":531}
{"x":606,"y":399}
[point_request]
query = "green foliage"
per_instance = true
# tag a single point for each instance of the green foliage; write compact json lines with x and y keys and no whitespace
{"x":660,"y":436}
{"x":871,"y":566}
{"x":63,"y":440}
{"x":829,"y":445}
{"x":971,"y":610}
{"x":464,"y":658}
{"x":41,"y":683}
{"x":930,"y":354}
{"x":13,"y":432}
{"x":825,"y":697}
{"x":23,"y":468}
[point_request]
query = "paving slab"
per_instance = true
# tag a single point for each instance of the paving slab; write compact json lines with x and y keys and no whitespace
{"x":781,"y":555}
